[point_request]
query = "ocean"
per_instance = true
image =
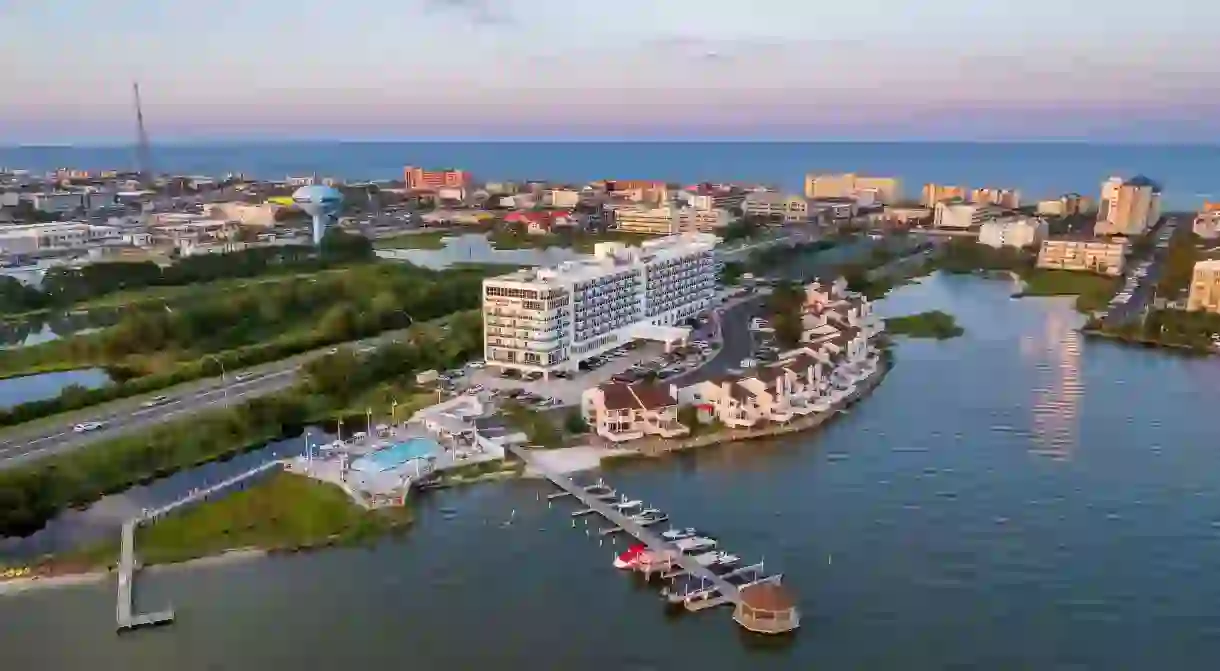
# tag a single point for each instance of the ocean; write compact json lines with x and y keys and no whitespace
{"x":1189,"y":173}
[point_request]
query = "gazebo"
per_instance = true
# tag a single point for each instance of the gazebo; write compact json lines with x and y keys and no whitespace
{"x":767,"y":608}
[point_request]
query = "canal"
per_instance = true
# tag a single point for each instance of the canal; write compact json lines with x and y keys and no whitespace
{"x":1013,"y":498}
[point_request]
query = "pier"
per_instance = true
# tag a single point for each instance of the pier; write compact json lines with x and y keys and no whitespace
{"x":729,"y":592}
{"x":124,"y":619}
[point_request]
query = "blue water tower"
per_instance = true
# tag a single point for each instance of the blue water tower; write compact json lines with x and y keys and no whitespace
{"x":320,"y":202}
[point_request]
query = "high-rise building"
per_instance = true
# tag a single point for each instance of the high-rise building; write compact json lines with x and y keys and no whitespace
{"x":936,"y":193}
{"x":542,"y":320}
{"x":1207,"y":222}
{"x":888,"y":189}
{"x":1008,"y":198}
{"x":1128,"y":207}
{"x":418,"y":178}
{"x":1205,"y":286}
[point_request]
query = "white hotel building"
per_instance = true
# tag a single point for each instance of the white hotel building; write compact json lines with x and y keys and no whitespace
{"x":550,"y":319}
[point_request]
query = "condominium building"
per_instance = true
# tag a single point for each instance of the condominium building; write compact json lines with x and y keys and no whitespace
{"x":548,"y":319}
{"x":25,"y":239}
{"x":1207,"y":223}
{"x":957,"y":215}
{"x":1105,"y":256}
{"x":638,"y":190}
{"x":1067,"y":205}
{"x":418,"y":178}
{"x":621,"y":412}
{"x":1016,"y":231}
{"x":57,"y":202}
{"x":936,"y":193}
{"x":561,"y":198}
{"x":670,"y":219}
{"x":664,"y":220}
{"x":888,"y":189}
{"x":1205,"y":287}
{"x":789,"y":208}
{"x":1007,"y":198}
{"x":1128,"y":207}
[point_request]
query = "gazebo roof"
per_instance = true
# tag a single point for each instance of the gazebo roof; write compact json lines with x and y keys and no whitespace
{"x":767,"y":596}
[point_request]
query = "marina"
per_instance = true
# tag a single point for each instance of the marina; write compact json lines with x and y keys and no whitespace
{"x":677,"y":553}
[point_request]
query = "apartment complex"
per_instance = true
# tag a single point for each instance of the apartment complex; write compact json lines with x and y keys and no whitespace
{"x":1207,"y":222}
{"x":1006,"y":198}
{"x":885,"y":190}
{"x":1067,"y":205}
{"x":1014,"y":231}
{"x":1105,"y":256}
{"x":638,"y":190}
{"x":789,"y":208}
{"x":418,"y":178}
{"x":29,"y":238}
{"x":1205,"y":287}
{"x":670,"y":219}
{"x":1128,"y":207}
{"x":622,"y":412}
{"x":957,"y":215}
{"x":561,"y":198}
{"x":936,"y":193}
{"x":548,"y":319}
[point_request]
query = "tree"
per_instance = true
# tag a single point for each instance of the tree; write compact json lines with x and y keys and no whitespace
{"x":575,"y":423}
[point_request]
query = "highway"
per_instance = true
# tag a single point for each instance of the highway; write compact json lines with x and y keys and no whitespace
{"x":40,"y":438}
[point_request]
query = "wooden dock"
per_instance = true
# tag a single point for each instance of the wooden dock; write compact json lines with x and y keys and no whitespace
{"x":621,"y":521}
{"x":124,"y":619}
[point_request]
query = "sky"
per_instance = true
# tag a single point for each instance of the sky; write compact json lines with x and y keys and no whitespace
{"x":1094,"y":70}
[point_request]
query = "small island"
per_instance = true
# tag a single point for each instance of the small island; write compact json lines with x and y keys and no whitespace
{"x":931,"y":324}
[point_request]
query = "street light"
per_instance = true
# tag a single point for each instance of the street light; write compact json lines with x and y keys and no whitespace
{"x":224,"y":385}
{"x":394,"y":413}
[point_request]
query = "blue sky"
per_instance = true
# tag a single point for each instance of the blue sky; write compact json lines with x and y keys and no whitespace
{"x":801,"y":69}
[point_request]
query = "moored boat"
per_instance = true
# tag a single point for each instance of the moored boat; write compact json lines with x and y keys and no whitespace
{"x":629,"y":557}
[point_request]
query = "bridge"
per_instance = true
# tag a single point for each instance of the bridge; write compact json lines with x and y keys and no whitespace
{"x":728,"y":591}
{"x":203,"y":494}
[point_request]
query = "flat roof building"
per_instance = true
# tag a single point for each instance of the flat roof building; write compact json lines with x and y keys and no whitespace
{"x":1105,"y":256}
{"x":1205,"y":287}
{"x":549,"y":319}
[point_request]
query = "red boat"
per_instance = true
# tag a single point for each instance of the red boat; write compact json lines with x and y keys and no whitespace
{"x":628,"y":557}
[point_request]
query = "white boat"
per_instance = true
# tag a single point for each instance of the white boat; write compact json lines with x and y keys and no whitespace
{"x":627,"y":505}
{"x":649,"y":518}
{"x":717,"y":557}
{"x":694,"y":545}
{"x":679,"y":534}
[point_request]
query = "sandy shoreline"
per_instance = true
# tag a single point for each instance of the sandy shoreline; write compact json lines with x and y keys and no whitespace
{"x":23,"y":585}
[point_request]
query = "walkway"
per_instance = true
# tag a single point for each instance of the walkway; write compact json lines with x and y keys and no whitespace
{"x":124,"y":620}
{"x":652,"y":540}
{"x":201,"y":494}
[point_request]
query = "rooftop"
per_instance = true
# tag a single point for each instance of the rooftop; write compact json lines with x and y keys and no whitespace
{"x":767,"y":596}
{"x":609,"y":257}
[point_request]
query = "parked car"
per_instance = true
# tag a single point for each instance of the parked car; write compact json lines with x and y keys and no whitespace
{"x":85,"y":427}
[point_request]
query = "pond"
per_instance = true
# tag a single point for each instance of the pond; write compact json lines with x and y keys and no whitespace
{"x":42,"y":328}
{"x":26,"y":388}
{"x":475,"y":248}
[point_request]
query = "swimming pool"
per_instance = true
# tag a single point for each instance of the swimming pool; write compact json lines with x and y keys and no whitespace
{"x":396,"y":455}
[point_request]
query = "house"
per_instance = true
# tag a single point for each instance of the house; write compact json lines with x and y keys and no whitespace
{"x":540,"y":222}
{"x":726,"y":401}
{"x":619,"y":412}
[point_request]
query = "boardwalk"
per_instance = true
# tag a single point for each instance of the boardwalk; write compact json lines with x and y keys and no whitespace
{"x":652,"y":540}
{"x":124,"y":619}
{"x":201,"y":494}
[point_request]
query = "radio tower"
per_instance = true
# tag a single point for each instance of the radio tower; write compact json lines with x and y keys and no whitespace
{"x":143,"y":155}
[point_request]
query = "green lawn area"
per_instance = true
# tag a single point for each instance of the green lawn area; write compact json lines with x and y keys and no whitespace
{"x":427,"y":240}
{"x":1093,"y":292}
{"x":285,"y":511}
{"x":932,"y":324}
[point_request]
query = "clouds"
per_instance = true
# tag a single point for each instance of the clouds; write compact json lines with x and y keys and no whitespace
{"x":476,"y":12}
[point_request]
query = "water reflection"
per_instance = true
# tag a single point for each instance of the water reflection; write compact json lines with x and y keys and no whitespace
{"x":1055,"y":355}
{"x":475,"y":248}
{"x":43,"y":328}
{"x":27,"y":388}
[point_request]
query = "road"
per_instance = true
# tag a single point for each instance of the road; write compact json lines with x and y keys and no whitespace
{"x":43,"y":437}
{"x":1145,"y":290}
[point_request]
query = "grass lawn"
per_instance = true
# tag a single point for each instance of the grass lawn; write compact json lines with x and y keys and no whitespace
{"x":1093,"y":291}
{"x":285,"y":511}
{"x":427,"y":240}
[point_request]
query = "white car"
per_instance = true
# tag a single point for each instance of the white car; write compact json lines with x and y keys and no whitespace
{"x":155,"y":401}
{"x":477,"y":364}
{"x":748,"y":363}
{"x":85,"y":427}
